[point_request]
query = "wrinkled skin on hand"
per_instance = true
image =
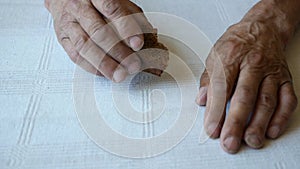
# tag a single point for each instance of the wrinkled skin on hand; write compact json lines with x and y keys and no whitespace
{"x":247,"y":64}
{"x":82,"y":30}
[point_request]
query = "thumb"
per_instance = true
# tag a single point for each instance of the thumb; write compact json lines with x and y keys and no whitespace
{"x":202,"y":95}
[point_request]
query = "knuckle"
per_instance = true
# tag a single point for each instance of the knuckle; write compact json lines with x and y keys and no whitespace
{"x":80,"y":43}
{"x":284,"y":117}
{"x":219,"y":85}
{"x":244,"y":95}
{"x":232,"y":46}
{"x":65,"y":18}
{"x":119,"y":53}
{"x":60,"y":35}
{"x":267,"y":101}
{"x":256,"y":59}
{"x":60,"y":31}
{"x":244,"y":91}
{"x":293,"y":100}
{"x":106,"y":66}
{"x":229,"y":50}
{"x":94,"y":28}
{"x":103,"y":36}
{"x":288,"y":97}
{"x":235,"y":121}
{"x":103,"y":64}
{"x":111,"y":8}
{"x":243,"y":101}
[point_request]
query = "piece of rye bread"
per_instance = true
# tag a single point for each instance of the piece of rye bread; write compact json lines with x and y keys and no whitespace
{"x":154,"y":55}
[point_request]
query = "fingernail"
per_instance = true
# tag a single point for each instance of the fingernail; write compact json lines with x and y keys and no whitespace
{"x":253,"y":141}
{"x":232,"y":144}
{"x":119,"y":75}
{"x":274,"y":132}
{"x":212,"y":130}
{"x":134,"y":67}
{"x":136,"y":43}
{"x":201,"y":98}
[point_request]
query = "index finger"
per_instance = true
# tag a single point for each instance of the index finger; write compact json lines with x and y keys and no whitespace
{"x":222,"y":80}
{"x":104,"y":36}
{"x":127,"y":27}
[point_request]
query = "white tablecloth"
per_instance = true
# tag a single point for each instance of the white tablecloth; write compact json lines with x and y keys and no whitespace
{"x":39,"y":127}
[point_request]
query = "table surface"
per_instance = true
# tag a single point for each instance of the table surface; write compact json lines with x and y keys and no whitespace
{"x":39,"y":126}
